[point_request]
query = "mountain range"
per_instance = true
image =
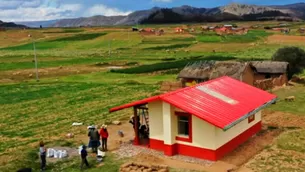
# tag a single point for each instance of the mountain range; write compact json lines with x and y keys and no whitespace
{"x":156,"y":15}
{"x":10,"y":25}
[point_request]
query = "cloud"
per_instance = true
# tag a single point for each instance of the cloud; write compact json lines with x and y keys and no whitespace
{"x":42,"y":12}
{"x":100,"y":9}
{"x":14,"y":4}
{"x":162,"y":1}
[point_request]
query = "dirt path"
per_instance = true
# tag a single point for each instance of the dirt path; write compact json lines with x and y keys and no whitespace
{"x":219,"y":166}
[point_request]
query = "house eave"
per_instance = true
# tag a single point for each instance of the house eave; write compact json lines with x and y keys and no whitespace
{"x":249,"y":114}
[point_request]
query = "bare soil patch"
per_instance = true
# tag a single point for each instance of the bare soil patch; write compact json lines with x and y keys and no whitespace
{"x":114,"y":140}
{"x":252,"y":147}
{"x":178,"y":164}
{"x":277,"y":160}
{"x":283,"y":119}
{"x":286,"y":39}
{"x":27,"y":74}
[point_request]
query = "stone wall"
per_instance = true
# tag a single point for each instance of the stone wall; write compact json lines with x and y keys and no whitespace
{"x":265,"y":84}
{"x":141,"y":167}
{"x":270,"y":83}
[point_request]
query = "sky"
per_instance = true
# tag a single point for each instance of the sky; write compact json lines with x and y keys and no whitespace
{"x":40,"y":10}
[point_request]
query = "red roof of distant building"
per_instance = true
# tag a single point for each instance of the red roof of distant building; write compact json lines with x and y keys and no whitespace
{"x":222,"y":29}
{"x":223,"y":102}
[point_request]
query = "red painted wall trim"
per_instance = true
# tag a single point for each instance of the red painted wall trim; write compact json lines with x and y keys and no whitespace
{"x":208,"y":154}
{"x":156,"y":144}
{"x":190,"y":137}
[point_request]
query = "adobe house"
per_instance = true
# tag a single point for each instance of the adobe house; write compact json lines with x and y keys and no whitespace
{"x":247,"y":72}
{"x":276,"y":71}
{"x":201,"y":71}
{"x":206,"y":121}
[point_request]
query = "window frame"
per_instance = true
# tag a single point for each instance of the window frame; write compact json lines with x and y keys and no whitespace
{"x":188,"y":138}
{"x":251,"y":118}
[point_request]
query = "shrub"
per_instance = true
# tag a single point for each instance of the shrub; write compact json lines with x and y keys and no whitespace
{"x":295,"y":56}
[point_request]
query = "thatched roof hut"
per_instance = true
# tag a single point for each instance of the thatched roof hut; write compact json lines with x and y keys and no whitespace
{"x":206,"y":70}
{"x":272,"y":67}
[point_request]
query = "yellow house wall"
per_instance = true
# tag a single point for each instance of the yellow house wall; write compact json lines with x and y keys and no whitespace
{"x":223,"y":137}
{"x":203,"y":132}
{"x":164,"y":126}
{"x":155,"y":120}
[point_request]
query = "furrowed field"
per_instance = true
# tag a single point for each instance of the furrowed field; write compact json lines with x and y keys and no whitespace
{"x":85,"y":71}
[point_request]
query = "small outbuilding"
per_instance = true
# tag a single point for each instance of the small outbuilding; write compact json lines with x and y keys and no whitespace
{"x":274,"y":70}
{"x":206,"y":121}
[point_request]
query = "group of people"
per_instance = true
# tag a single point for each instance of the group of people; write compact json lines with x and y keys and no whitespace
{"x":94,"y":142}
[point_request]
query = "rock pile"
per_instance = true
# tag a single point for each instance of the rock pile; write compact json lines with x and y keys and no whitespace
{"x":140,"y":167}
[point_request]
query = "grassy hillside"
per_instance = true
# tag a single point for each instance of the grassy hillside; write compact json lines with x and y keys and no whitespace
{"x":76,"y":84}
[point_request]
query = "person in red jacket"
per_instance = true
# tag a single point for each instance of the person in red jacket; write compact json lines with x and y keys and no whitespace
{"x":104,"y":134}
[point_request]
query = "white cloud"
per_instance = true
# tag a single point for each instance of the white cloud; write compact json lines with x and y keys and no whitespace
{"x":162,"y":0}
{"x":14,"y":4}
{"x":40,"y":13}
{"x":101,"y":9}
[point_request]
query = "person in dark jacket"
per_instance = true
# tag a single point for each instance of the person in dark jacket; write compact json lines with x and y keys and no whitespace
{"x":132,"y":121}
{"x":42,"y":153}
{"x":104,"y":134}
{"x":84,"y":155}
{"x":94,"y":137}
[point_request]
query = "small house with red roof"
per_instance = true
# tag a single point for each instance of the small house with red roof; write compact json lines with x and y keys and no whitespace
{"x":206,"y":121}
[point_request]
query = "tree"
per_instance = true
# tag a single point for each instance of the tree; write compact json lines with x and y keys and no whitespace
{"x":295,"y":56}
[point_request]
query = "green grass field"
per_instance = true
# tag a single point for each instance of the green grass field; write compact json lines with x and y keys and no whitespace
{"x":31,"y":111}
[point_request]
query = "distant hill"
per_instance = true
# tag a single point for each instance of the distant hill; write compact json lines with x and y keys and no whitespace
{"x":36,"y":24}
{"x":89,"y":21}
{"x":233,"y":11}
{"x":10,"y":25}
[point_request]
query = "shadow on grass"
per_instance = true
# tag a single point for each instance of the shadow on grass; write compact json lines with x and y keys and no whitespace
{"x":168,"y":47}
{"x":179,"y":64}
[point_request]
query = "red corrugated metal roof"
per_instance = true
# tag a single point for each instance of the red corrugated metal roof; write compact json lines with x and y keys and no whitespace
{"x":224,"y":101}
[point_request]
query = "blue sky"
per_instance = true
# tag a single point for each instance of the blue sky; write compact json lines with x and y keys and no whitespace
{"x":34,"y":10}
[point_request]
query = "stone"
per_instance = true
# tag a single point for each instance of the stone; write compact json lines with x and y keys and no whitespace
{"x":30,"y":75}
{"x":125,"y":165}
{"x":290,"y":98}
{"x":116,"y":122}
{"x":70,"y":135}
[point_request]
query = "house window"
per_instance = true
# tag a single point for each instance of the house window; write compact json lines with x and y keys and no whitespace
{"x":184,"y":127}
{"x":251,"y":118}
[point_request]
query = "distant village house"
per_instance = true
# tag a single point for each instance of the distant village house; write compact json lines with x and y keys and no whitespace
{"x":179,"y":30}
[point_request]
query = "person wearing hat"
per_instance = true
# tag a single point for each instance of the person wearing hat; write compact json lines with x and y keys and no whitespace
{"x":84,"y":155}
{"x":94,"y":138}
{"x":104,"y":134}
